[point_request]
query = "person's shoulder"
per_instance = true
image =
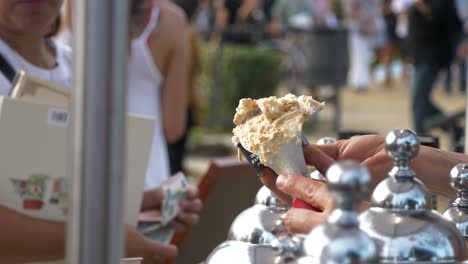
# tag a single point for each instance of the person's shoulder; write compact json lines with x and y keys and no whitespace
{"x":173,"y":12}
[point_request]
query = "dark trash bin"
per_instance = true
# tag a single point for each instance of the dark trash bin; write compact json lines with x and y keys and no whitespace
{"x":327,"y":55}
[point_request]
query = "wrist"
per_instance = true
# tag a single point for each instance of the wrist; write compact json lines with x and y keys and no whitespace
{"x":432,"y":166}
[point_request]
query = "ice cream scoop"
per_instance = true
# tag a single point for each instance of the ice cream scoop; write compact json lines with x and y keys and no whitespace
{"x":289,"y":159}
{"x":271,"y":128}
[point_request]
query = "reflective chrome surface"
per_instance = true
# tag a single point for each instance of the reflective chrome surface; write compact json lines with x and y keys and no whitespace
{"x":258,"y":225}
{"x":267,"y":198}
{"x":340,"y":240}
{"x":458,"y":212}
{"x":400,"y":195}
{"x":261,"y":223}
{"x":400,"y":220}
{"x":325,"y":140}
{"x":425,"y":237}
{"x":459,"y":216}
{"x":402,"y":145}
{"x":235,"y":252}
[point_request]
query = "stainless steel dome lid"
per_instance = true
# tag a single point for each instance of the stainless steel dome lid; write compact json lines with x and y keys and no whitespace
{"x":258,"y":225}
{"x":340,"y":240}
{"x":283,"y":251}
{"x":458,"y":212}
{"x":261,"y":223}
{"x":401,"y":221}
{"x":401,"y":191}
{"x":419,"y":238}
{"x":269,"y":199}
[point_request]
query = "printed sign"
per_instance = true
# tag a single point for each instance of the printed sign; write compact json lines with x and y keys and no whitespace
{"x":58,"y":117}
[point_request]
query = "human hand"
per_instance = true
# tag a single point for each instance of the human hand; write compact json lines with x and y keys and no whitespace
{"x":313,"y":192}
{"x":321,"y":162}
{"x":152,"y":199}
{"x":368,"y":150}
{"x":136,"y":245}
{"x":190,"y":209}
{"x":462,"y":50}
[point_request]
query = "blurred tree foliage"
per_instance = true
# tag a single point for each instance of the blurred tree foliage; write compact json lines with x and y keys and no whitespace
{"x":241,"y":71}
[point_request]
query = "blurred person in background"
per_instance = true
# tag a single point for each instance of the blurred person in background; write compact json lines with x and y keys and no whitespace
{"x":462,"y":49}
{"x":26,"y":44}
{"x":158,"y":94}
{"x":290,"y":13}
{"x":400,"y":8}
{"x":158,"y":87}
{"x":158,"y":81}
{"x":204,"y":18}
{"x":366,"y":32}
{"x":434,"y":32}
{"x":239,"y":21}
{"x":301,"y":14}
{"x":177,"y":150}
{"x":389,"y":50}
{"x":158,"y":78}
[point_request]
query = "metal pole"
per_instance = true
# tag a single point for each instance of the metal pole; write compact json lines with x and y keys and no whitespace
{"x":97,"y":140}
{"x":466,"y":111}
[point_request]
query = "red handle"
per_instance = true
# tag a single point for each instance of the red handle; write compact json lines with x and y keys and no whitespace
{"x":298,"y":203}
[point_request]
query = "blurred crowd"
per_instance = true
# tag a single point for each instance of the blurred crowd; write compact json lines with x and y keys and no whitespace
{"x":413,"y":40}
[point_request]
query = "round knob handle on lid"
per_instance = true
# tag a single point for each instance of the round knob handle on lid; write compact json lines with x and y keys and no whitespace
{"x":348,"y":183}
{"x":401,"y":220}
{"x":402,"y":145}
{"x":458,"y":212}
{"x":459,"y":182}
{"x":267,"y":198}
{"x":402,"y":191}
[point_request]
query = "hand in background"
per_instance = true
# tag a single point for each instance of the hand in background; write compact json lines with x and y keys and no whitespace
{"x":191,"y":207}
{"x":136,"y":245}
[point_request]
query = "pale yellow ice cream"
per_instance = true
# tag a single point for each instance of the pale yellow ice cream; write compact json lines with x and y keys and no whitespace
{"x":263,"y":125}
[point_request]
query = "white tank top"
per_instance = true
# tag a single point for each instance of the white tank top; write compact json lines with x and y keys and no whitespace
{"x":61,"y":74}
{"x":144,"y":98}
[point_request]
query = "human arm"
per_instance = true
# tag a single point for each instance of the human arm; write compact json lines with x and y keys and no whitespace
{"x":175,"y":88}
{"x":423,"y":8}
{"x":432,"y":166}
{"x":170,"y":49}
{"x":26,"y":239}
{"x":221,"y":19}
{"x":248,"y":6}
